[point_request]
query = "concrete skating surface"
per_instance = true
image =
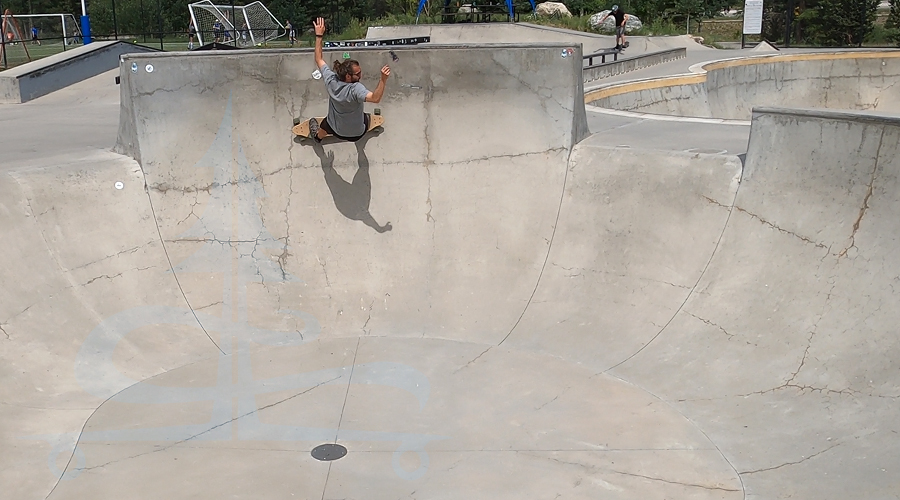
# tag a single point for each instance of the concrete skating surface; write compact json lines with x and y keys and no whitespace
{"x":478,"y":302}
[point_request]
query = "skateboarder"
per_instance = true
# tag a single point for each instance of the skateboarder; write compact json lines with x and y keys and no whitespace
{"x":346,"y":95}
{"x":620,"y":16}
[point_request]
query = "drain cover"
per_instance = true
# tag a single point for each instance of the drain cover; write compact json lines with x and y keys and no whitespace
{"x":328,"y":452}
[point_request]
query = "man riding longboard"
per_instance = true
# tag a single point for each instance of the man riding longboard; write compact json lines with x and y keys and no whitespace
{"x":346,"y":96}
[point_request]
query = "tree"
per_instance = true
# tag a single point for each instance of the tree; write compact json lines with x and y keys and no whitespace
{"x":892,"y":24}
{"x":841,"y":22}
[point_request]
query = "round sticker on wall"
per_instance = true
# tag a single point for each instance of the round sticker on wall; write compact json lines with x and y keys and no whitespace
{"x":316,"y":75}
{"x":149,"y":68}
{"x":134,"y":67}
{"x":119,"y":185}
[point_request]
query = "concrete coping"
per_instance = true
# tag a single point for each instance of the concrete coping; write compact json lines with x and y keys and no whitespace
{"x":61,"y":57}
{"x":382,"y":48}
{"x":825,"y":114}
{"x":697,"y":72}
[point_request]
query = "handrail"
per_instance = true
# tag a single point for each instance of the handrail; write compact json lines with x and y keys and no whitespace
{"x":602,"y":55}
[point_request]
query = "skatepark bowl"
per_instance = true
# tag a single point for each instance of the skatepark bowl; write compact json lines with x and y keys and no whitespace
{"x":481,"y":300}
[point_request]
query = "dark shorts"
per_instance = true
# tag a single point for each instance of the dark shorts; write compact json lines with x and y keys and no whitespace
{"x":326,"y":127}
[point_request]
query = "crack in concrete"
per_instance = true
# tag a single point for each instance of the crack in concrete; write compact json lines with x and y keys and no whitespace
{"x":193,"y":206}
{"x":165,"y":188}
{"x":594,"y":469}
{"x":429,"y":161}
{"x":710,"y":323}
{"x":234,"y":419}
{"x":693,"y":485}
{"x":785,"y":231}
{"x":91,"y":409}
{"x":554,"y":399}
{"x":324,"y":270}
{"x":127,"y":250}
{"x":865,"y":204}
{"x":473,"y":361}
{"x":803,"y":459}
{"x":4,"y":332}
{"x":103,"y":276}
{"x":207,"y":306}
{"x":715,"y":202}
{"x":372,"y":305}
{"x":282,"y":258}
{"x":16,"y":315}
{"x":578,"y":272}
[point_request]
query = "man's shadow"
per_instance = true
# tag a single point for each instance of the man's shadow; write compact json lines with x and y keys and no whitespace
{"x":351,"y":198}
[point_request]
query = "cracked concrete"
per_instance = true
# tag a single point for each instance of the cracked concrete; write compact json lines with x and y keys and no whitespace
{"x":781,"y":230}
{"x":212,"y":428}
{"x":582,"y":257}
{"x":788,"y":464}
{"x":865,"y":202}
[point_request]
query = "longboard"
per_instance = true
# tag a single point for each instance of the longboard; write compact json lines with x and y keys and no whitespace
{"x":302,"y":129}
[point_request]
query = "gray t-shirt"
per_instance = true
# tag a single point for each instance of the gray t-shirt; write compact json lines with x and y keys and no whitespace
{"x":345,"y":104}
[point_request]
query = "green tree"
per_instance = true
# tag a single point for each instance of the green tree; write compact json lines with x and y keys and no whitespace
{"x":892,"y":24}
{"x":841,"y":22}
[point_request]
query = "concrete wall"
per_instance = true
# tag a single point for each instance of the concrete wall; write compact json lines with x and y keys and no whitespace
{"x":680,"y":96}
{"x":600,"y":71}
{"x":32,"y":80}
{"x":475,"y":143}
{"x":730,"y":89}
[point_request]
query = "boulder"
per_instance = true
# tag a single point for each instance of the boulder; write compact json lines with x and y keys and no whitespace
{"x":548,"y":9}
{"x":631,"y":24}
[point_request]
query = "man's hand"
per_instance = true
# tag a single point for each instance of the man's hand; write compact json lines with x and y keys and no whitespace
{"x":385,"y":72}
{"x":319,"y":25}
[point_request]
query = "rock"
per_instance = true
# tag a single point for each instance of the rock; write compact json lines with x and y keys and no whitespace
{"x":552,"y":9}
{"x":467,"y":8}
{"x":631,"y":24}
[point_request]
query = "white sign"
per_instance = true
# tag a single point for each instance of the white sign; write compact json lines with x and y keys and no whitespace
{"x":753,"y":14}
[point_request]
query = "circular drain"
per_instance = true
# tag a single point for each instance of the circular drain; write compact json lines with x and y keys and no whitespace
{"x":328,"y":452}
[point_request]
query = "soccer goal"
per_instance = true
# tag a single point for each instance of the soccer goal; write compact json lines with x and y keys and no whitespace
{"x":51,"y":27}
{"x":253,"y":22}
{"x":13,"y":50}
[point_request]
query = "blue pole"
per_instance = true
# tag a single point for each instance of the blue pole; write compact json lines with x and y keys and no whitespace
{"x":85,"y":24}
{"x":86,"y":29}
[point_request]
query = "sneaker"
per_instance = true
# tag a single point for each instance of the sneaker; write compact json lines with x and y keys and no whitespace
{"x":314,"y":129}
{"x":618,"y":47}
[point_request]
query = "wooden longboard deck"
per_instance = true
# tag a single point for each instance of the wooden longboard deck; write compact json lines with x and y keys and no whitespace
{"x":302,"y":129}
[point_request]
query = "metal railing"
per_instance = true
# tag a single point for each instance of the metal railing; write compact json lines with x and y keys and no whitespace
{"x":602,"y":55}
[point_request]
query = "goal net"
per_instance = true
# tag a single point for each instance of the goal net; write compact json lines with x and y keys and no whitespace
{"x":13,"y":49}
{"x":252,"y":24}
{"x":51,"y":28}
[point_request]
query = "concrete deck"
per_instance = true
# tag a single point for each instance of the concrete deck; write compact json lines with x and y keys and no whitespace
{"x":481,"y":301}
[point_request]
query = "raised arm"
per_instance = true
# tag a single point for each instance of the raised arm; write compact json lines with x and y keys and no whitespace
{"x":379,"y":90}
{"x":319,"y":25}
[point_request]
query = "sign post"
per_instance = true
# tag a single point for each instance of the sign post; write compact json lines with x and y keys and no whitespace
{"x":753,"y":14}
{"x":85,"y":25}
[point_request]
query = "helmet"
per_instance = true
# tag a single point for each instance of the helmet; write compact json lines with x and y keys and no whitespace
{"x":615,"y":8}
